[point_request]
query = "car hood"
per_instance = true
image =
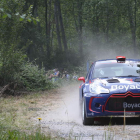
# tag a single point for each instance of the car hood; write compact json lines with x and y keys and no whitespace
{"x":118,"y":85}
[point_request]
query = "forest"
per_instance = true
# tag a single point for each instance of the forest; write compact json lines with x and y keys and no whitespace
{"x":38,"y":35}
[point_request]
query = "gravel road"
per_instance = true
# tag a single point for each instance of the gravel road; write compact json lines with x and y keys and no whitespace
{"x":61,"y":118}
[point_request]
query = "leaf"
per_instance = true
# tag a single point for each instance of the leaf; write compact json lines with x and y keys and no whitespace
{"x":31,"y":7}
{"x":4,"y":16}
{"x":1,"y":9}
{"x":17,"y":14}
{"x":34,"y":21}
{"x":9,"y":15}
{"x":23,"y":16}
{"x":37,"y":19}
{"x":29,"y":20}
{"x":21,"y":19}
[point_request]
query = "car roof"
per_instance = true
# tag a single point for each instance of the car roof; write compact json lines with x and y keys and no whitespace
{"x":116,"y":59}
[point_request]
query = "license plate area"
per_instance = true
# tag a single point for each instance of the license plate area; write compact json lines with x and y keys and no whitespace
{"x":130,"y":113}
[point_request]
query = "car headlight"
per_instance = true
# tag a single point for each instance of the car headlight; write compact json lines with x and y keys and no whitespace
{"x":97,"y":89}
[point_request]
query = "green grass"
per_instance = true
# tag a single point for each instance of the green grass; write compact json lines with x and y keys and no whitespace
{"x":15,"y":116}
{"x":6,"y":133}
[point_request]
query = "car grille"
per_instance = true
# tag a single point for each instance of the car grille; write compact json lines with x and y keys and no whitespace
{"x":129,"y":102}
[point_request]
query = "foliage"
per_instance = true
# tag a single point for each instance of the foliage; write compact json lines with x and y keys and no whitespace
{"x":66,"y":33}
{"x":10,"y":64}
{"x":33,"y":78}
{"x":9,"y":134}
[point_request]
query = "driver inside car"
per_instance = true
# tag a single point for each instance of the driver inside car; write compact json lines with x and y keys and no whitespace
{"x":105,"y":72}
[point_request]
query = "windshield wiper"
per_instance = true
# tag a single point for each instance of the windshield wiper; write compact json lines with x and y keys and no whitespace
{"x":99,"y":77}
{"x":128,"y":76}
{"x":132,"y":76}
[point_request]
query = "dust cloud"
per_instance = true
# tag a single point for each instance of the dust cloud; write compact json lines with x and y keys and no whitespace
{"x":96,"y":47}
{"x":69,"y":104}
{"x":71,"y":111}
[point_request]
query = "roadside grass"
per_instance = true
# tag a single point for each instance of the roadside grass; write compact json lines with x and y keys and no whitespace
{"x":10,"y":134}
{"x":7,"y":133}
{"x":17,"y":111}
{"x":16,"y":115}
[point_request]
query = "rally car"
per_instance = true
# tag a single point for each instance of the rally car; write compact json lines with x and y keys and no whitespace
{"x":111,"y":88}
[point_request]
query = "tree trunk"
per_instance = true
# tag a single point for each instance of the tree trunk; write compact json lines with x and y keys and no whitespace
{"x":132,"y":25}
{"x":107,"y":22}
{"x":80,"y":28}
{"x":34,"y":7}
{"x":46,"y":24}
{"x":35,"y":14}
{"x":76,"y":26}
{"x":62,"y":27}
{"x":57,"y":25}
{"x":49,"y":25}
{"x":51,"y":38}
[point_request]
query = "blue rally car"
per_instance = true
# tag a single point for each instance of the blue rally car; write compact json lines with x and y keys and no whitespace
{"x":111,"y":89}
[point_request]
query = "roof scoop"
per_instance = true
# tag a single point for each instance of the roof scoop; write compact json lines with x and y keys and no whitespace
{"x":137,"y":80}
{"x":120,"y":59}
{"x":113,"y":81}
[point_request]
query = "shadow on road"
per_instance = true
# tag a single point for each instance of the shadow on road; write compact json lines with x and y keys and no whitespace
{"x":118,"y":121}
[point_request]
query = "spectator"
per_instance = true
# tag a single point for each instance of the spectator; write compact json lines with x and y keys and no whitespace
{"x":75,"y":76}
{"x":66,"y":75}
{"x":55,"y":74}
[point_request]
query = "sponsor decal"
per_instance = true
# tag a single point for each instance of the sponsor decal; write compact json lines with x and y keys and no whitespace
{"x":91,"y":113}
{"x":131,"y":105}
{"x":126,"y":87}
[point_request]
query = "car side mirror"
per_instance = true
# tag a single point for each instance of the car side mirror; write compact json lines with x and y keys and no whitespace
{"x":81,"y":79}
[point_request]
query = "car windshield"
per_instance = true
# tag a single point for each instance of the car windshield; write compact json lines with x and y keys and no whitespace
{"x":111,"y":68}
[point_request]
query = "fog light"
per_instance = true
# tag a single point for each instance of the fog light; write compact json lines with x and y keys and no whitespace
{"x":97,"y":105}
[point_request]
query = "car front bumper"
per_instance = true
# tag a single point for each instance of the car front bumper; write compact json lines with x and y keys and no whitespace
{"x":97,"y":106}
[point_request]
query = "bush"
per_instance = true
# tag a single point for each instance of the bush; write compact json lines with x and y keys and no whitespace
{"x":15,"y":70}
{"x":10,"y":64}
{"x":33,"y":78}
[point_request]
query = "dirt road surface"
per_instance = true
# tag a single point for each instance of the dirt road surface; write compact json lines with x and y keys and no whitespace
{"x":60,"y":117}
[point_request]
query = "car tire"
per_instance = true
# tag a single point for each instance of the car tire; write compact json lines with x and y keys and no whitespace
{"x":86,"y":121}
{"x":80,"y":108}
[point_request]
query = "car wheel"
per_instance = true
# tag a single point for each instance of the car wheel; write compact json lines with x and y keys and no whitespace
{"x":80,"y":108}
{"x":86,"y":121}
